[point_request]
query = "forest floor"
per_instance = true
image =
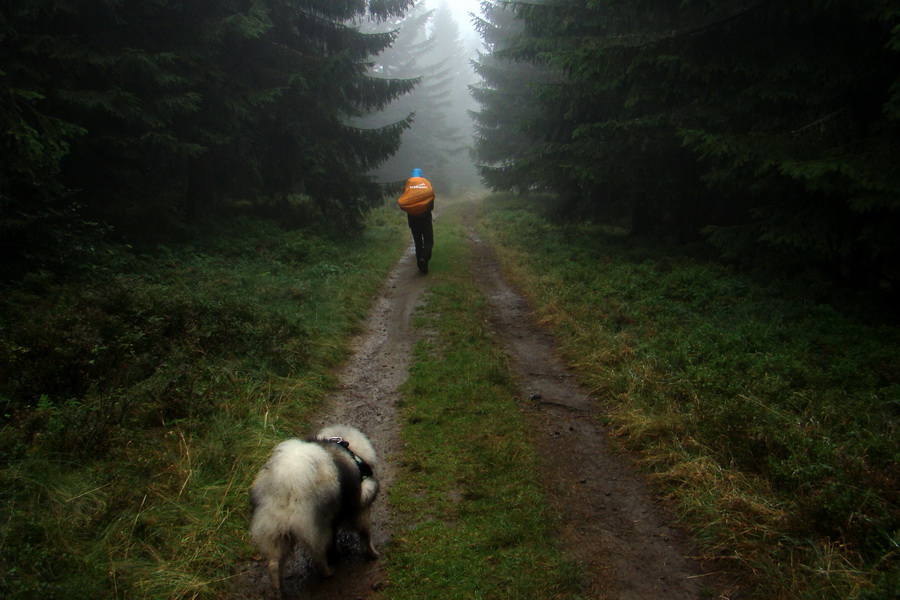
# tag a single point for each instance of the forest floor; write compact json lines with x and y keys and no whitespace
{"x":614,"y":527}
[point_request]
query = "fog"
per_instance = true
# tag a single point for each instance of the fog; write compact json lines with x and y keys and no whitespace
{"x":440,"y":138}
{"x":461,"y":10}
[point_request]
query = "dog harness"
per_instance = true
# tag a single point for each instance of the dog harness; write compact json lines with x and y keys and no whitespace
{"x":364,"y":469}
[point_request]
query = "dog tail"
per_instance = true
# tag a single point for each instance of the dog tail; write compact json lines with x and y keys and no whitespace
{"x":368,"y":490}
{"x":357,"y":442}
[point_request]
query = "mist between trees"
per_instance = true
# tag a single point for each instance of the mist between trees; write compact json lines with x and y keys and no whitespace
{"x":768,"y":129}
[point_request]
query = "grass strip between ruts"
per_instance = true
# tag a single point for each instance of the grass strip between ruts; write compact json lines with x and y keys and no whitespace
{"x":470,"y":520}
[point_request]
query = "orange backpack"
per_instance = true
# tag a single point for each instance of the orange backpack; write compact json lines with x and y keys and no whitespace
{"x":417,"y":196}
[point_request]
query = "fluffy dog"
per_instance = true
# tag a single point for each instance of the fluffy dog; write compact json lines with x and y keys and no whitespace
{"x":306,"y":491}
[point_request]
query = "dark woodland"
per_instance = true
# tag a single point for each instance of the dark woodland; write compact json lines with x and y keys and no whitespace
{"x":197,"y":208}
{"x":768,"y":128}
{"x":150,"y":116}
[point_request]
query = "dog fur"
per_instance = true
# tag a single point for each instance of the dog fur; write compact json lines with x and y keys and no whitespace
{"x":306,"y":491}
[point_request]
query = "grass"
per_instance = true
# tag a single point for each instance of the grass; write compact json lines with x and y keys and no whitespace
{"x":476,"y":523}
{"x":768,"y":413}
{"x":137,"y":406}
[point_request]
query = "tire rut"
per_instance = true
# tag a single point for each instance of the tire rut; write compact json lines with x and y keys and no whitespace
{"x":612,"y":525}
{"x":365,"y":397}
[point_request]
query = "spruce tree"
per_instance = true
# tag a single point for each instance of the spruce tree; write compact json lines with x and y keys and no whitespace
{"x":507,"y":95}
{"x":770,"y":126}
{"x":307,"y":144}
{"x":292,"y":91}
{"x":93,"y":104}
{"x":429,"y":49}
{"x":144,"y":113}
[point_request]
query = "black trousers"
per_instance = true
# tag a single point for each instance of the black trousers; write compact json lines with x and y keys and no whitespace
{"x":423,"y":235}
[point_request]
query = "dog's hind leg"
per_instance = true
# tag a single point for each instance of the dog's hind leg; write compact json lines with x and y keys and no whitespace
{"x":363,"y":521}
{"x":319,"y":546}
{"x":363,"y":525}
{"x":277,"y":555}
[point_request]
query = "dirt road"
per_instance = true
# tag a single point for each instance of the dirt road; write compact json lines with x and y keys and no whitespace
{"x":613,"y":527}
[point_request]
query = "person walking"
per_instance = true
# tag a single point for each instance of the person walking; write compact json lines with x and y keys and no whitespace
{"x":418,"y":203}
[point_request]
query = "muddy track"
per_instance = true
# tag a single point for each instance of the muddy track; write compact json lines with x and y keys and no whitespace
{"x":366,"y":398}
{"x":612,"y":525}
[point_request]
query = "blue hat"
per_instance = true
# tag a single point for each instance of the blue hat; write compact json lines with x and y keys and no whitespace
{"x":416,"y":173}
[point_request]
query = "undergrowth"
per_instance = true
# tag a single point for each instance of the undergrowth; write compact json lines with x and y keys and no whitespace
{"x":137,"y":403}
{"x":769,"y":411}
{"x":474,"y":523}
